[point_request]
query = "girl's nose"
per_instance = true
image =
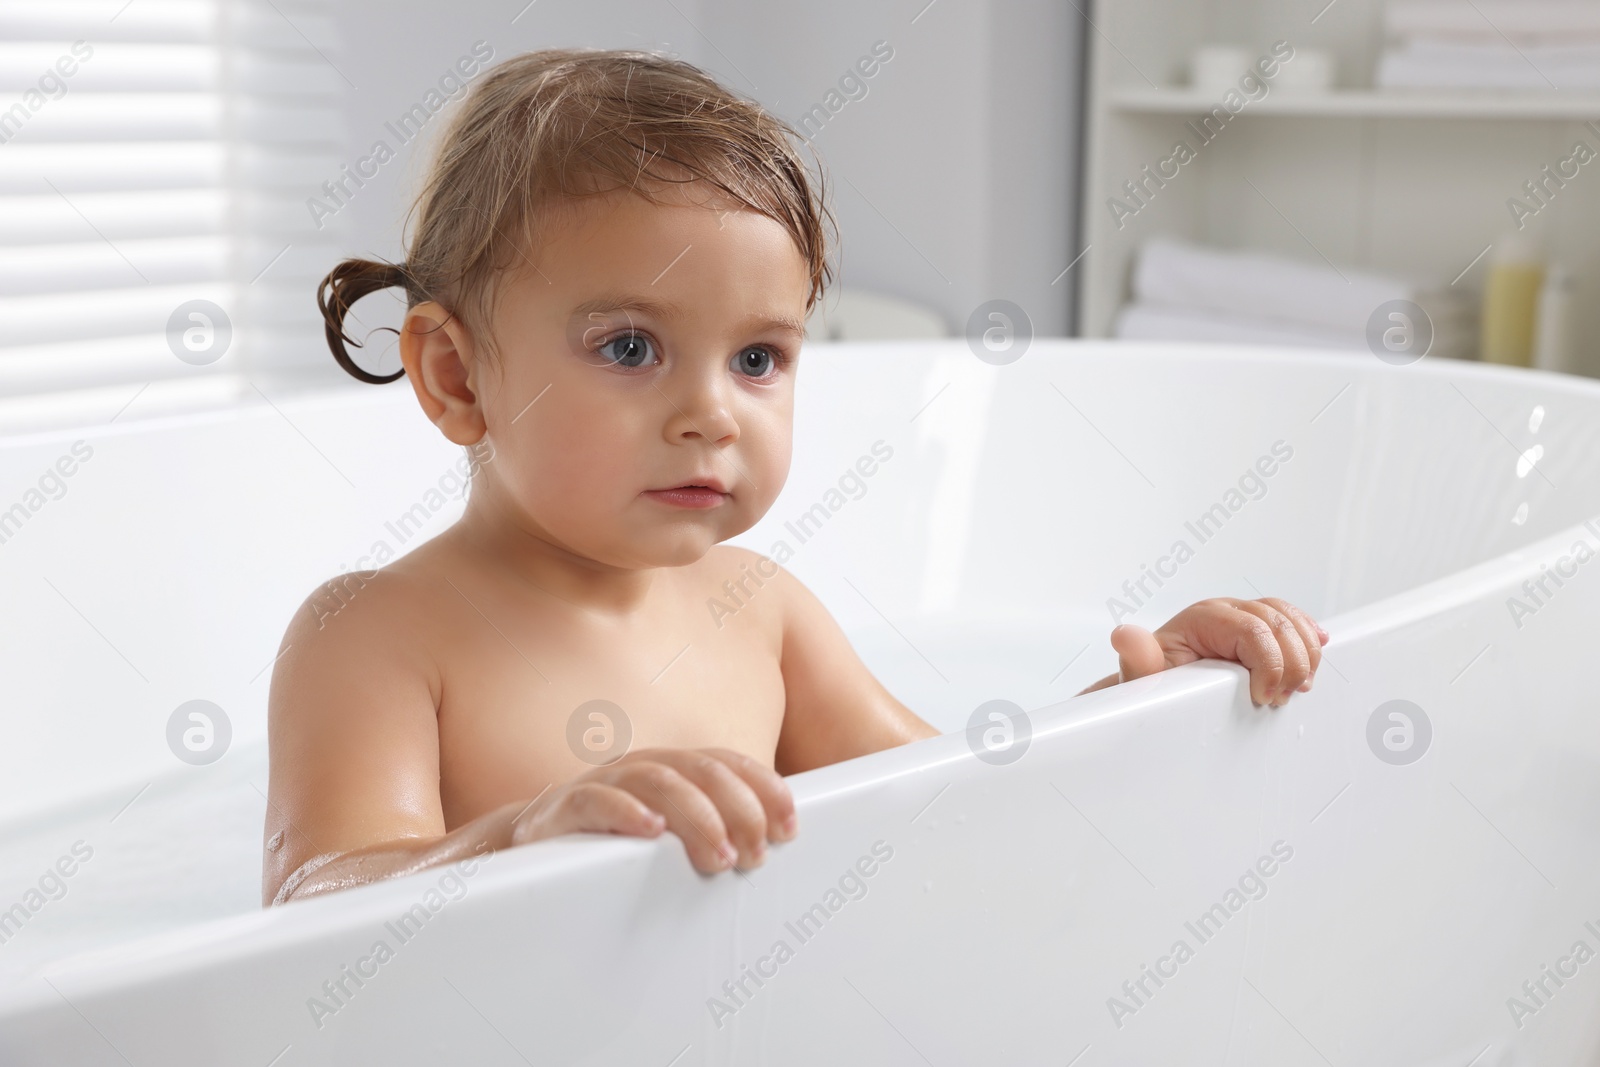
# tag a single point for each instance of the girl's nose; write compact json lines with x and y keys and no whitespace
{"x":699,"y":408}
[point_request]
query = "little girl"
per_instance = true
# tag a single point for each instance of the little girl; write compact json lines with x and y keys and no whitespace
{"x":607,"y":286}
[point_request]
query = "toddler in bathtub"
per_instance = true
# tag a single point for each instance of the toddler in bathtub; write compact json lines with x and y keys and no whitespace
{"x":611,"y":268}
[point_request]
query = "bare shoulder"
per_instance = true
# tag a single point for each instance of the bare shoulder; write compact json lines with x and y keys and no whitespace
{"x":739,"y":581}
{"x":361,"y":654}
{"x":375,"y":618}
{"x":365,"y":619}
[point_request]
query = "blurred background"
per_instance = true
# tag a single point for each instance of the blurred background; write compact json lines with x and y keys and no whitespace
{"x":177,"y":175}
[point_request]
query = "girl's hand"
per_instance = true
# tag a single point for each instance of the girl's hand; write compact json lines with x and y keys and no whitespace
{"x":723,"y":804}
{"x":1280,"y":644}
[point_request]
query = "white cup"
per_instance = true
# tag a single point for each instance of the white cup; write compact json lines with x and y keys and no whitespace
{"x":1310,"y":71}
{"x":1216,"y":68}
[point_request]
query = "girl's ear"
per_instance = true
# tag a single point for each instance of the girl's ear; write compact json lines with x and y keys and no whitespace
{"x":436,"y":350}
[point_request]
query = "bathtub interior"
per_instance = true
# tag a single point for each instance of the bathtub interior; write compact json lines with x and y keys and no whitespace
{"x":976,"y":562}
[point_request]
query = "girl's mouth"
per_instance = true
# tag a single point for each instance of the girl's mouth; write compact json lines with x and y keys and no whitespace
{"x":688,"y":496}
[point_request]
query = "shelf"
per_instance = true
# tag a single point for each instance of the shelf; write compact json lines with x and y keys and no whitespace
{"x":1403,"y":182}
{"x":1392,"y":103}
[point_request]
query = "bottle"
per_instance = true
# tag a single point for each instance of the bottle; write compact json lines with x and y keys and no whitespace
{"x":1553,"y":347}
{"x":1511,"y":302}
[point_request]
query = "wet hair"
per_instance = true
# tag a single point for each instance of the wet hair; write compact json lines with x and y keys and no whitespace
{"x":550,"y":128}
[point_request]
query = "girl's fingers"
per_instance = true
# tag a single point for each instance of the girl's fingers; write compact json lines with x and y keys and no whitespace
{"x":777,"y":803}
{"x":1311,"y":635}
{"x":1248,"y":639}
{"x":1294,"y":662}
{"x":1139,"y":652}
{"x":588,"y":807}
{"x":689,"y":812}
{"x":744,"y":818}
{"x":722,"y":804}
{"x":1280,"y":644}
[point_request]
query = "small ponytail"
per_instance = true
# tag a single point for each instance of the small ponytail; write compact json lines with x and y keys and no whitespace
{"x":344,"y":285}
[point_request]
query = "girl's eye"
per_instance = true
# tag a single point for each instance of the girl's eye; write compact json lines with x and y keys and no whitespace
{"x":628,"y":350}
{"x":757,"y":362}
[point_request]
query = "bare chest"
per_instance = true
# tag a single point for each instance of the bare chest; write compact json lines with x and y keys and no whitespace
{"x":533,"y":699}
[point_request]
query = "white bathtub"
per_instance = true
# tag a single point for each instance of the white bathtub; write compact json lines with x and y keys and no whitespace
{"x":1012,"y":909}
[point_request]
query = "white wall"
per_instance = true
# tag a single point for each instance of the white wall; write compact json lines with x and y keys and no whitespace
{"x":953,"y":179}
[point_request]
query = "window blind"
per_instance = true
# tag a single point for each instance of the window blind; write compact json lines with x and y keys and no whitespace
{"x":154,"y":155}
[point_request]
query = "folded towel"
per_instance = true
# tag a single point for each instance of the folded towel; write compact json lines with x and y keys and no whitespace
{"x":1438,"y":64}
{"x":1155,"y":322}
{"x":1189,"y":291}
{"x":1533,"y":21}
{"x":1257,"y":286}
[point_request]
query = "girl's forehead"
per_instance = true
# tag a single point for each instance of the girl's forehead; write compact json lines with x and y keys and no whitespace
{"x":620,"y":234}
{"x":653,"y":200}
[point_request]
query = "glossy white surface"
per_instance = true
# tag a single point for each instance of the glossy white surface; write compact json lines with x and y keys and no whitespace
{"x":974,"y":564}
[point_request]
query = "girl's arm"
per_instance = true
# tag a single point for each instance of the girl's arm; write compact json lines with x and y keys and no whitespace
{"x":835,"y":709}
{"x":353,"y":794}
